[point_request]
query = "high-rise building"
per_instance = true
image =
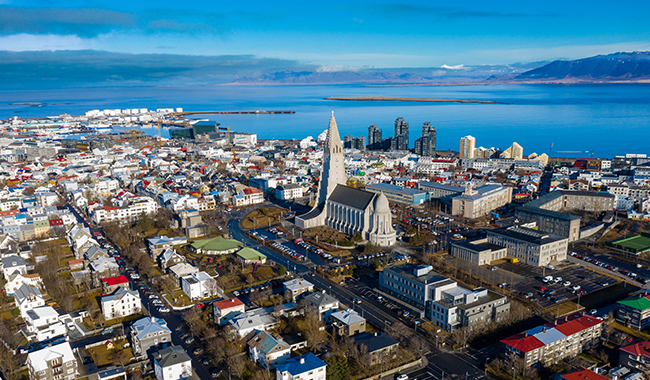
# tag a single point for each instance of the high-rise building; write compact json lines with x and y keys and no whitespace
{"x":359,"y":143}
{"x":426,"y":145}
{"x":467,"y":147}
{"x":514,"y":151}
{"x":374,"y":137}
{"x":401,"y":134}
{"x":347,"y":141}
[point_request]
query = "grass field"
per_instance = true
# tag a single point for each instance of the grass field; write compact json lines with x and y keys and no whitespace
{"x":637,"y":243}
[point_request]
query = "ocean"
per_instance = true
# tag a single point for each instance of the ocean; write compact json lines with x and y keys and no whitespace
{"x":599,"y":120}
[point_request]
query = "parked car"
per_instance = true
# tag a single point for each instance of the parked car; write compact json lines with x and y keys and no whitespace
{"x":189,"y":340}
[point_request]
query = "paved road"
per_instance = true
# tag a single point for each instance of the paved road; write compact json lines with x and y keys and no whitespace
{"x":374,"y":312}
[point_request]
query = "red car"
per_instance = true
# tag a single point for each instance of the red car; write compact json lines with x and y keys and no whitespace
{"x":199,"y":305}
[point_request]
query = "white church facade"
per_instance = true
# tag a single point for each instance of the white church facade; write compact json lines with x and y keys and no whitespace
{"x":344,"y":208}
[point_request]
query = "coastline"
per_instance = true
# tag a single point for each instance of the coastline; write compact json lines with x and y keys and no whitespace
{"x":407,"y":99}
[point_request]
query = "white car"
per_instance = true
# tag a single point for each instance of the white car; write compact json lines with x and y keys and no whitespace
{"x":403,"y":377}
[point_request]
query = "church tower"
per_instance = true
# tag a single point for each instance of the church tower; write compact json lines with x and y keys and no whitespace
{"x":333,"y":172}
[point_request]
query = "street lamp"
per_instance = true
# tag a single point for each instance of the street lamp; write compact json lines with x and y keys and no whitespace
{"x":513,"y":373}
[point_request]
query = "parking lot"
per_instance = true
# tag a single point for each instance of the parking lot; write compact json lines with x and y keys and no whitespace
{"x":529,"y":281}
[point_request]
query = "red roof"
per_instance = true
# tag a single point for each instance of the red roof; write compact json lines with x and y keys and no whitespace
{"x":251,"y":190}
{"x":640,"y":348}
{"x":77,"y":261}
{"x":575,"y":323}
{"x":582,"y":374}
{"x":110,"y":208}
{"x":115,"y":280}
{"x":56,"y":222}
{"x":227,"y":304}
{"x":523,"y":343}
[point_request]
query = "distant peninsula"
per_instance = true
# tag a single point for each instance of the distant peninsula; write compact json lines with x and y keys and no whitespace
{"x":33,"y":104}
{"x":405,"y":99}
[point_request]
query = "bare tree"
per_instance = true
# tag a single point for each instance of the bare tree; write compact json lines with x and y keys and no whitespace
{"x":313,"y":324}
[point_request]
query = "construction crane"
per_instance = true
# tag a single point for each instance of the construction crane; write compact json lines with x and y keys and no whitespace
{"x":550,"y":149}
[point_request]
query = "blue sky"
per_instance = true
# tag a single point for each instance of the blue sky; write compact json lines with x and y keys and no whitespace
{"x":333,"y":34}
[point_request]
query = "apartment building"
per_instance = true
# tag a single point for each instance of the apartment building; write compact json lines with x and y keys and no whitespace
{"x":530,"y":246}
{"x":288,"y":191}
{"x":54,"y":362}
{"x":547,"y":344}
{"x":123,"y":302}
{"x":474,"y":203}
{"x":440,"y":299}
{"x":635,"y":356}
{"x":129,"y":213}
{"x":575,"y":200}
{"x":634,"y":311}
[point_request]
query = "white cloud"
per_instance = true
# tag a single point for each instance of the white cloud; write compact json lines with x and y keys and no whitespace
{"x":457,"y":67}
{"x":335,"y":68}
{"x":29,"y":42}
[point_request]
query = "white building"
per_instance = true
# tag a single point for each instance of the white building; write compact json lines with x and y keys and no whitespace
{"x":123,"y":302}
{"x":199,"y":285}
{"x":172,"y":363}
{"x":13,"y":264}
{"x":55,"y":362}
{"x":28,"y":298}
{"x":289,"y":191}
{"x":127,"y":213}
{"x":256,"y":319}
{"x":44,"y":323}
{"x":15,"y":281}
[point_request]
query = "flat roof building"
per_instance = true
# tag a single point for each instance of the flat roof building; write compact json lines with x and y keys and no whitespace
{"x":474,"y":203}
{"x":530,"y":246}
{"x":398,"y":194}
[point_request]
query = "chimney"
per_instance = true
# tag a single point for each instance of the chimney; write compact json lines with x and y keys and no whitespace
{"x":566,"y":318}
{"x":526,"y":335}
{"x":376,"y":334}
{"x":302,"y":360}
{"x":543,"y":329}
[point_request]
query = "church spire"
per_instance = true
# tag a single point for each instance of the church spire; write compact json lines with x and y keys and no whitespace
{"x":333,"y":140}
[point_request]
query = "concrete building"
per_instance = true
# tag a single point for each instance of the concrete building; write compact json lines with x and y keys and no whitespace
{"x":401,"y":134}
{"x":296,"y":288}
{"x":441,"y":300}
{"x":347,"y":323}
{"x":374,"y":137}
{"x":634,"y":311}
{"x":467,"y":147}
{"x":172,"y":363}
{"x":199,"y":286}
{"x":256,"y":319}
{"x":635,"y":356}
{"x":122,"y":303}
{"x":380,"y":346}
{"x":440,"y":191}
{"x":324,"y":303}
{"x":27,"y":298}
{"x":514,"y":151}
{"x":288,"y":191}
{"x":52,"y":363}
{"x":225,"y":310}
{"x":548,"y":344}
{"x":479,"y":252}
{"x":399,"y":194}
{"x":553,"y":222}
{"x":474,"y":203}
{"x":43,"y":323}
{"x":530,"y":246}
{"x":147,"y":333}
{"x":343,"y":208}
{"x":575,"y":200}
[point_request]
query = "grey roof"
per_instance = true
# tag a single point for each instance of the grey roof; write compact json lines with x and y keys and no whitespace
{"x":148,"y":325}
{"x":527,"y":235}
{"x":375,"y":342}
{"x":477,"y":246}
{"x":12,"y":261}
{"x":25,"y":291}
{"x":406,"y":270}
{"x":320,"y":299}
{"x":548,"y":213}
{"x":586,"y":193}
{"x":480,"y":192}
{"x":354,"y":198}
{"x":541,"y":201}
{"x":172,"y":355}
{"x":387,"y":187}
{"x":440,"y":186}
{"x":120,"y":293}
{"x":348,"y":317}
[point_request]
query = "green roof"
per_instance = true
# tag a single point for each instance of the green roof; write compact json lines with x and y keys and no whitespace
{"x":639,"y":303}
{"x":216,"y":244}
{"x":250,"y":254}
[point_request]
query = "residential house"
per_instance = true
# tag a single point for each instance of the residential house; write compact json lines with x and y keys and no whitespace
{"x":225,"y":310}
{"x":122,"y":303}
{"x":43,"y":323}
{"x":303,"y":367}
{"x":582,"y":374}
{"x":379,"y":346}
{"x":347,"y":323}
{"x":199,"y":286}
{"x":53,"y":362}
{"x":169,"y":257}
{"x":15,"y":281}
{"x":13,"y":264}
{"x":110,"y":284}
{"x":102,"y":268}
{"x":158,"y":244}
{"x":268,"y":349}
{"x":323,"y":303}
{"x":149,"y":332}
{"x":181,"y":270}
{"x":27,"y":298}
{"x":295,"y":289}
{"x":173,"y":363}
{"x":256,"y":319}
{"x":251,"y":256}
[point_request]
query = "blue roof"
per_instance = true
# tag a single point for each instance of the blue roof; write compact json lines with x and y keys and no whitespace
{"x":295,"y":367}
